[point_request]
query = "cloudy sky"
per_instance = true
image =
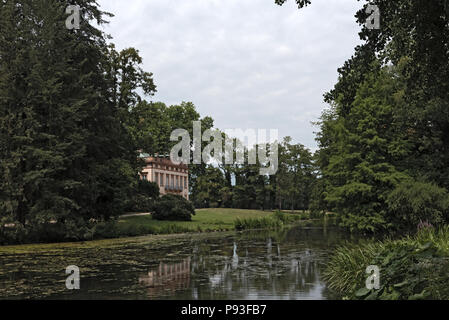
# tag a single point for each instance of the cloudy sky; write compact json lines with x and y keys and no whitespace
{"x":249,"y":64}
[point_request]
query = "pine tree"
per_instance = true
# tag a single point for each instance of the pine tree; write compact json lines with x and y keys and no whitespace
{"x":65,"y":155}
{"x":363,"y":167}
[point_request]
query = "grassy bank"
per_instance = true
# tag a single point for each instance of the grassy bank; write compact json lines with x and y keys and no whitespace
{"x":274,"y":221}
{"x":206,"y":220}
{"x":410,"y":268}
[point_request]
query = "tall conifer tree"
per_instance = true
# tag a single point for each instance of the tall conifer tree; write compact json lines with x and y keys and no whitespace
{"x":65,"y":155}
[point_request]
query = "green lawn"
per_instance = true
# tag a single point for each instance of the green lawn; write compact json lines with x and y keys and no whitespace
{"x":204,"y":220}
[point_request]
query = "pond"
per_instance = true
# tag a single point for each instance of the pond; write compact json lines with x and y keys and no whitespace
{"x":286,"y":264}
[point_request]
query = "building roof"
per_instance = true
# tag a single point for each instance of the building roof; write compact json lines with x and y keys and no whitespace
{"x":163,"y":161}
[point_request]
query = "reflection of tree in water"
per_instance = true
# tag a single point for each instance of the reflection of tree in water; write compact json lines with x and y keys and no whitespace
{"x":250,"y":275}
{"x":247,"y":266}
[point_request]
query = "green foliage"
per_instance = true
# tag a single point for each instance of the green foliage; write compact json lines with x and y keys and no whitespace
{"x":71,"y":120}
{"x":208,"y":189}
{"x":72,"y":230}
{"x":411,"y":272}
{"x":151,"y":124}
{"x":258,"y":223}
{"x":127,"y":76}
{"x":345,"y":271}
{"x":173,"y":208}
{"x":275,"y":221}
{"x":205,"y":220}
{"x":144,"y":198}
{"x":389,"y":118}
{"x":414,"y":202}
{"x":295,"y":176}
{"x":411,"y":268}
{"x":66,"y":156}
{"x":290,"y":187}
{"x":105,"y":230}
{"x":318,"y":203}
{"x":300,"y":3}
{"x":149,"y":189}
{"x":360,"y":171}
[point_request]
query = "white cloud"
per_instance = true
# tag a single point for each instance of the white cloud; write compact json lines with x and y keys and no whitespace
{"x":246,"y":63}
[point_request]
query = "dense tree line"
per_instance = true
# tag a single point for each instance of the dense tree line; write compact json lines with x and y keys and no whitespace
{"x":384,"y":141}
{"x":71,"y":122}
{"x":242,"y":186}
{"x":65,"y":154}
{"x":73,"y":116}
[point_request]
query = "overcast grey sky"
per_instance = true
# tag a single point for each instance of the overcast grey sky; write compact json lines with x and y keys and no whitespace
{"x":247,"y":63}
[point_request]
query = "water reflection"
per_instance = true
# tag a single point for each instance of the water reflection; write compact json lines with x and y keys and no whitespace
{"x":246,"y":266}
{"x":249,"y":265}
{"x":167,"y":277}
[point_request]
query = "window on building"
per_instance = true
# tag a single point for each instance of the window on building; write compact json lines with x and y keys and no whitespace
{"x":185,"y":182}
{"x":156,"y":178}
{"x":167,"y":181}
{"x":162,"y":179}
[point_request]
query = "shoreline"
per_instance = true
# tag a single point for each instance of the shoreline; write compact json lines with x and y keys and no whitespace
{"x":205,"y":221}
{"x":105,"y":243}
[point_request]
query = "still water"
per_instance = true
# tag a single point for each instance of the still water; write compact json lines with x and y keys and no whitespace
{"x":250,"y":265}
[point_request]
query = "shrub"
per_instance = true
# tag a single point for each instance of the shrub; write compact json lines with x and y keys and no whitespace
{"x":13,"y":235}
{"x":345,"y":271}
{"x":410,"y":268}
{"x":141,"y":203}
{"x":173,"y":208}
{"x":105,"y":229}
{"x":410,"y":271}
{"x":149,"y":189}
{"x":257,"y":223}
{"x":275,"y":221}
{"x":413,"y":203}
{"x":281,"y":216}
{"x":145,"y":197}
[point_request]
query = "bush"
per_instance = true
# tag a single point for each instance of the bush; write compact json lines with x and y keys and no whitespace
{"x":281,"y":216}
{"x":275,"y":221}
{"x":173,"y":208}
{"x":145,"y":197}
{"x":257,"y":223}
{"x":410,"y":271}
{"x":140,"y":203}
{"x":149,"y":189}
{"x":345,"y":271}
{"x":13,"y":235}
{"x":411,"y":268}
{"x":412,"y":203}
{"x":105,"y":230}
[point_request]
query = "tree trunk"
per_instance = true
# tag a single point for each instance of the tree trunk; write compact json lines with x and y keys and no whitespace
{"x":21,"y":214}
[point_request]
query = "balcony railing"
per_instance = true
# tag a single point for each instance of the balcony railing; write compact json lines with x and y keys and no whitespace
{"x":174,"y":188}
